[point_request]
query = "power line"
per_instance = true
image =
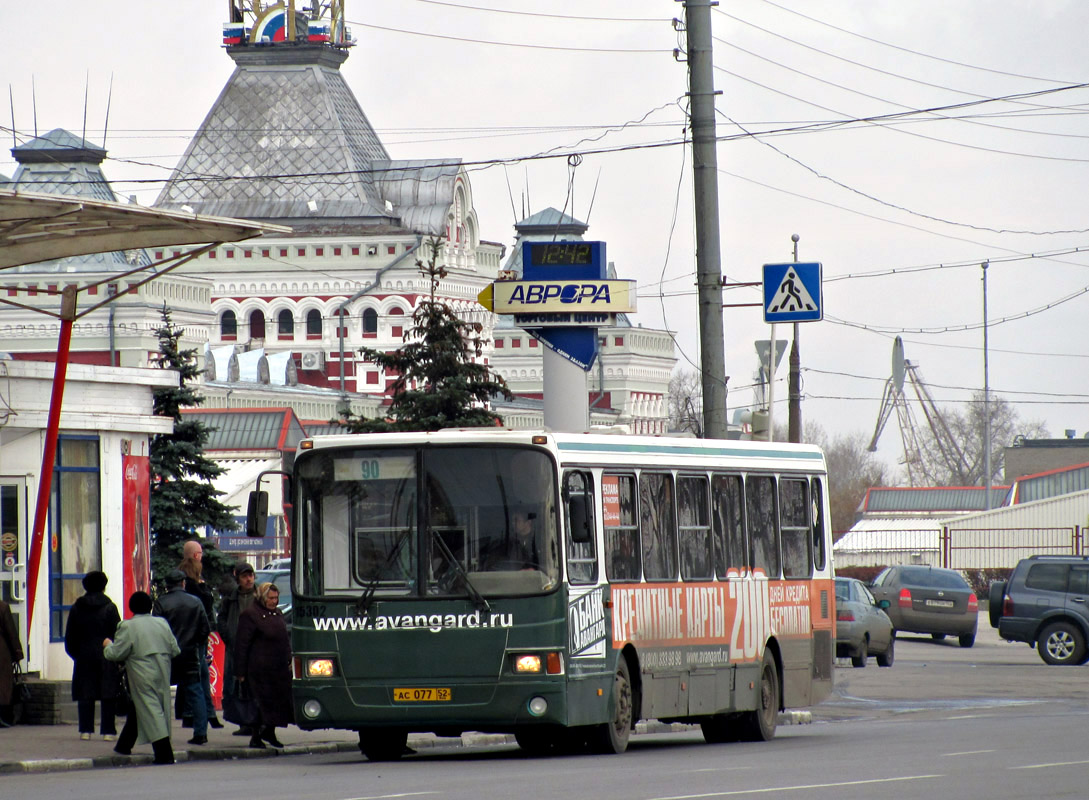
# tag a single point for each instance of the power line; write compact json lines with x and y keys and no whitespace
{"x":540,"y":14}
{"x":909,"y":50}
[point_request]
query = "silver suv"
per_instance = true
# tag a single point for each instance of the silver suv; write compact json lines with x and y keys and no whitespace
{"x":1045,"y":603}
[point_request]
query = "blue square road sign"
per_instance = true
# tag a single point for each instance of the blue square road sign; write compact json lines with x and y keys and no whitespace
{"x":793,"y":292}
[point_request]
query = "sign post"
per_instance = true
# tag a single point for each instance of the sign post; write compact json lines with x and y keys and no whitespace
{"x":562,"y":299}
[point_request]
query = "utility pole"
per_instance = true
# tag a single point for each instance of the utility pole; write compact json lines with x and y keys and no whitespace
{"x":794,"y":389}
{"x":986,"y":401}
{"x":705,"y":179}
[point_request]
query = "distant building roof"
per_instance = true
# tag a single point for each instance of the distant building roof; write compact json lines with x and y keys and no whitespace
{"x":250,"y":429}
{"x":1052,"y":483}
{"x":930,"y":500}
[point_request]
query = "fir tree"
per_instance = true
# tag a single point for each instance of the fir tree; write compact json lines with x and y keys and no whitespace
{"x":438,"y":384}
{"x":183,"y":499}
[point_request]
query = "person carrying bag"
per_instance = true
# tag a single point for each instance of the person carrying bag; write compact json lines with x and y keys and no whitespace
{"x":11,"y":653}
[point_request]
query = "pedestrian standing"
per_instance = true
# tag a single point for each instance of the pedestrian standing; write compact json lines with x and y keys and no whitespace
{"x":193,"y":567}
{"x":93,"y":617}
{"x":262,"y":657}
{"x":185,"y":615}
{"x":147,"y":646}
{"x":11,"y":653}
{"x":236,"y":601}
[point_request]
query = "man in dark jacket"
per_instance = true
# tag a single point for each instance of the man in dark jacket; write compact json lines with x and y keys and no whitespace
{"x":185,"y":615}
{"x":234,"y":603}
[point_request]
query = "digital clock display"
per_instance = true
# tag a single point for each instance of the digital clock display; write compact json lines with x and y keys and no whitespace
{"x":548,"y":254}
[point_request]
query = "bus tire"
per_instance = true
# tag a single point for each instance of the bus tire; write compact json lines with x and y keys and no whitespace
{"x":759,"y":725}
{"x":383,"y":744}
{"x":612,"y":737}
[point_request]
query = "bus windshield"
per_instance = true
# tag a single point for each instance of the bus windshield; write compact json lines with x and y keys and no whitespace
{"x":434,"y":521}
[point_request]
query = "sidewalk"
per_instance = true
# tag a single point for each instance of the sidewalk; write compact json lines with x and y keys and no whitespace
{"x":58,"y":748}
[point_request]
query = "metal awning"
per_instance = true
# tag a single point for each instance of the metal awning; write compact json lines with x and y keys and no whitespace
{"x":42,"y":227}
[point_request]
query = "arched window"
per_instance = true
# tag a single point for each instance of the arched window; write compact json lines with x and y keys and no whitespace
{"x":257,"y":325}
{"x":285,"y":324}
{"x":313,"y":324}
{"x":370,"y":322}
{"x":228,"y":325}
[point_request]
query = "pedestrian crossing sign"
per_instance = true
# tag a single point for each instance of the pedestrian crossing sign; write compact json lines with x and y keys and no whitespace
{"x":792,"y":292}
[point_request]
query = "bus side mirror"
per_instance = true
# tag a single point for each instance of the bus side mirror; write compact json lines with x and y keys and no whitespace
{"x":578,"y":516}
{"x":257,"y":514}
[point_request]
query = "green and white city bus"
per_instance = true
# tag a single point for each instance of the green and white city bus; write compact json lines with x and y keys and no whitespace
{"x":556,"y":586}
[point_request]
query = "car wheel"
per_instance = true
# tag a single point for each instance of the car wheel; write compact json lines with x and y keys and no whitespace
{"x":863,"y":653}
{"x":1061,"y":643}
{"x":996,"y":595}
{"x":967,"y":639}
{"x":885,"y":659}
{"x":937,"y":637}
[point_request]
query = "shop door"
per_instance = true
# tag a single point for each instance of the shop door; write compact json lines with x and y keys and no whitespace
{"x":13,"y":552}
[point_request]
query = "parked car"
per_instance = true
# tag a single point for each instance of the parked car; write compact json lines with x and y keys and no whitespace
{"x":278,"y":563}
{"x":282,"y":579}
{"x":929,"y":600}
{"x":1044,"y":605}
{"x":862,"y":626}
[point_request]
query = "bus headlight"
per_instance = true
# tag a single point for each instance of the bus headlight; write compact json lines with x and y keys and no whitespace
{"x":537,"y":706}
{"x":529,"y":662}
{"x":320,"y":668}
{"x":311,"y":709}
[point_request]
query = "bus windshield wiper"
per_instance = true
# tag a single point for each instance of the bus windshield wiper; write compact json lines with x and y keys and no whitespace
{"x":476,"y":596}
{"x":372,"y":585}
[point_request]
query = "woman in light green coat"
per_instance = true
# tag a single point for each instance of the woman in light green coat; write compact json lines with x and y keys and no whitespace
{"x":147,"y":646}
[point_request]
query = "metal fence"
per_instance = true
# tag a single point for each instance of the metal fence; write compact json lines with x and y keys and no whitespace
{"x":1002,"y":548}
{"x":957,"y":548}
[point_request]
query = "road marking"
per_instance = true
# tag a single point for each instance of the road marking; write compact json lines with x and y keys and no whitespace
{"x":798,"y":788}
{"x":719,"y":769}
{"x":1053,"y":764}
{"x":389,"y":796}
{"x":967,"y":753}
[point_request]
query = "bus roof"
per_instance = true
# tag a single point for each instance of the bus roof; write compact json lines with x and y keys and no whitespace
{"x":595,"y":447}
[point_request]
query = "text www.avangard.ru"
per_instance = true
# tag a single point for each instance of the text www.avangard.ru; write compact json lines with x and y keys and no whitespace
{"x":405,"y":622}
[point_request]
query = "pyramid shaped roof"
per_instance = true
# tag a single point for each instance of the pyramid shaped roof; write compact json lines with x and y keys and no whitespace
{"x":62,"y":163}
{"x":285,"y":140}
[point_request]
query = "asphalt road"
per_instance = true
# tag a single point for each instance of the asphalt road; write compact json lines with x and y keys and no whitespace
{"x":944,"y":722}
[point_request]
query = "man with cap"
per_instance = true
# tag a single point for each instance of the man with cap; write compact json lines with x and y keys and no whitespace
{"x":185,"y":615}
{"x":234,"y":603}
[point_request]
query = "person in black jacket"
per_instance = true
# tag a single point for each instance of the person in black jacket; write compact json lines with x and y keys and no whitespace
{"x":190,"y":626}
{"x":193,"y":567}
{"x":93,"y":618}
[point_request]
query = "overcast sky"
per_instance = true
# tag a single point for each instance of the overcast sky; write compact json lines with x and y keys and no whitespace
{"x":821,"y":116}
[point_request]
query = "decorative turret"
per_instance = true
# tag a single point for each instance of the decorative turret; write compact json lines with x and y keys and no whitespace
{"x":288,"y":23}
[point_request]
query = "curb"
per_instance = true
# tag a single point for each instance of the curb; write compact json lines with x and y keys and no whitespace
{"x":45,"y":765}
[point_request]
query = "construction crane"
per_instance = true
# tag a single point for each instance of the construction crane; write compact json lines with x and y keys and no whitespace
{"x":895,"y":398}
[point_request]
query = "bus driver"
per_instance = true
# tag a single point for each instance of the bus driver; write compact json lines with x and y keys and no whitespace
{"x":520,"y":549}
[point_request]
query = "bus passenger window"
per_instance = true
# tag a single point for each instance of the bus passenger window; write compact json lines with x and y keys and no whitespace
{"x":728,"y":524}
{"x":578,"y":498}
{"x":818,"y":525}
{"x":658,"y":526}
{"x":621,"y":532}
{"x":695,"y":529}
{"x":794,"y":524}
{"x":763,"y":524}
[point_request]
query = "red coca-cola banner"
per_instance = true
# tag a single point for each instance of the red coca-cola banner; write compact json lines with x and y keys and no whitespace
{"x":135,"y":535}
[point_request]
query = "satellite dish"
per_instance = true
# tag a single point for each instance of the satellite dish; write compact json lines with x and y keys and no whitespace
{"x":898,"y":364}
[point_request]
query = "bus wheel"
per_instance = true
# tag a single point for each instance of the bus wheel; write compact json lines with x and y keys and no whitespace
{"x":721,"y":728}
{"x":383,"y":744}
{"x":759,"y":725}
{"x":612,"y":737}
